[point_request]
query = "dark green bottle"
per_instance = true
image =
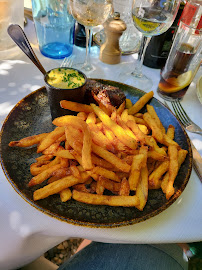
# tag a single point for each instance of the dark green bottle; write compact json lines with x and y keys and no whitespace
{"x":159,"y":46}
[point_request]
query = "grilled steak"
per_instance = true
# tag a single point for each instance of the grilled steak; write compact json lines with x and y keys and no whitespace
{"x":106,"y":94}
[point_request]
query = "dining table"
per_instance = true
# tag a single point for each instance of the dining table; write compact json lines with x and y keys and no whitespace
{"x":26,"y":233}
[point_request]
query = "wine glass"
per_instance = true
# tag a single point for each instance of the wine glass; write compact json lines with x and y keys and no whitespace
{"x":151,"y":18}
{"x":90,"y":13}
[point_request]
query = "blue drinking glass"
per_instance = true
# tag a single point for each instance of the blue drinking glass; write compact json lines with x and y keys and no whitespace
{"x":54,"y":27}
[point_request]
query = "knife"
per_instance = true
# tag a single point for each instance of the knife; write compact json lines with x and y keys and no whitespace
{"x":197,"y":160}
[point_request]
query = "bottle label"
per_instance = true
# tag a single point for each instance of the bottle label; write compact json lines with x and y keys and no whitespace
{"x":199,"y":26}
{"x":188,"y":13}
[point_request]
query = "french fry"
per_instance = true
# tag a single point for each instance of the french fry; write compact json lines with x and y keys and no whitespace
{"x":125,"y":116}
{"x":43,"y":158}
{"x":117,"y":130}
{"x":67,"y":145}
{"x":152,"y":142}
{"x":128,"y":103}
{"x":136,"y":130}
{"x":106,"y":173}
{"x":142,"y":188}
{"x":139,"y":121}
{"x":75,"y":171}
{"x":37,"y":168}
{"x":156,"y":131}
{"x":56,"y":187}
{"x":119,"y":146}
{"x":52,"y":149}
{"x":76,"y":145}
{"x":92,"y":187}
{"x":114,"y":187}
{"x":60,"y":173}
{"x":99,"y":187}
{"x":143,"y":128}
{"x":82,"y":115}
{"x":126,"y":201}
{"x":77,"y":156}
{"x":53,"y":179}
{"x":124,"y":188}
{"x":144,"y":150}
{"x":154,"y":115}
{"x":29,"y":141}
{"x":129,"y":158}
{"x":86,"y":150}
{"x":125,"y":127}
{"x":39,"y":178}
{"x":139,"y":115}
{"x":99,"y":138}
{"x":50,"y":138}
{"x":151,"y":166}
{"x":171,"y":132}
{"x":140,"y":103}
{"x":135,"y":171}
{"x":76,"y":107}
{"x":64,"y":154}
{"x":181,"y":158}
{"x":155,"y":176}
{"x":91,"y":118}
{"x":168,"y":141}
{"x":113,"y":115}
{"x":157,"y":185}
{"x":121,"y":108}
{"x":173,"y":170}
{"x":65,"y":195}
{"x":81,"y":187}
{"x":111,"y":158}
{"x":156,"y":156}
{"x":102,"y":163}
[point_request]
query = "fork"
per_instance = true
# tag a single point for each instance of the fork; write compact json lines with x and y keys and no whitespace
{"x":68,"y":61}
{"x":184,"y":118}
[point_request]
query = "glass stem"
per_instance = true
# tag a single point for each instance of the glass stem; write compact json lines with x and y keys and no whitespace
{"x":89,"y":33}
{"x":138,"y":68}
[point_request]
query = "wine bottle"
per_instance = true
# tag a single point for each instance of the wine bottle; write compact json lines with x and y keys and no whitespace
{"x":80,"y":35}
{"x":159,"y":46}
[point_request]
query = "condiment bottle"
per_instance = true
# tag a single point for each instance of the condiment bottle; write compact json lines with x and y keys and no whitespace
{"x":110,"y":52}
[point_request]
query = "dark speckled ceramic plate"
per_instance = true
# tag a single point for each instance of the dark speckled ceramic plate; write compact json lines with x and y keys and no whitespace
{"x":32,"y":116}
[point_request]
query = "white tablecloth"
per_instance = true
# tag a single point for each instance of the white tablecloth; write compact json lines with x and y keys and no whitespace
{"x":26,"y":233}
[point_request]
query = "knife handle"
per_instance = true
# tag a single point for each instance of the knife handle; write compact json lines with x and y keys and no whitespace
{"x":197,"y":162}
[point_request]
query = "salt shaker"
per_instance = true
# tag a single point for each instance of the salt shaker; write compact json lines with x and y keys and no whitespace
{"x":110,"y":52}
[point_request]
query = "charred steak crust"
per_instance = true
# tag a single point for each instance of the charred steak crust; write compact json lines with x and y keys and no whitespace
{"x":107,"y":94}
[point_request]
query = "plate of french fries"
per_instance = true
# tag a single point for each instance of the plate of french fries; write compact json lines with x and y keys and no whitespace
{"x":101,"y":166}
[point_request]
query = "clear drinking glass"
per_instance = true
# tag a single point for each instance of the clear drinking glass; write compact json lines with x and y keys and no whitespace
{"x":90,"y":13}
{"x":151,"y":18}
{"x":54,"y":27}
{"x":182,"y":64}
{"x":11,"y":12}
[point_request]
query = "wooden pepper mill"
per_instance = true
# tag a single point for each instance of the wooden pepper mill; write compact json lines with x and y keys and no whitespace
{"x":110,"y":52}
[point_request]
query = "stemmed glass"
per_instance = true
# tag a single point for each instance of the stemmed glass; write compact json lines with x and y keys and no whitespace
{"x":90,"y":13}
{"x":151,"y":18}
